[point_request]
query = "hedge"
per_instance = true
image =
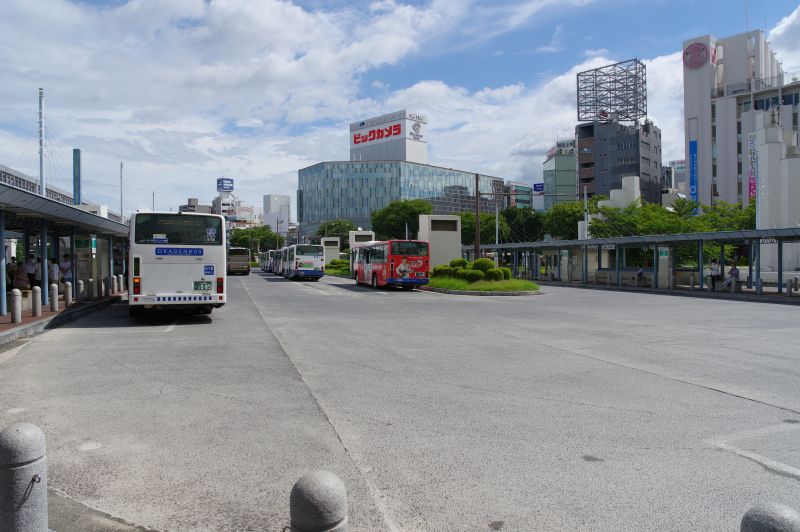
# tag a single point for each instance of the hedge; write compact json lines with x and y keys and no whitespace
{"x":493,"y":274}
{"x":473,"y":276}
{"x":483,"y":265}
{"x":506,"y":273}
{"x":458,"y":263}
{"x":443,"y":270}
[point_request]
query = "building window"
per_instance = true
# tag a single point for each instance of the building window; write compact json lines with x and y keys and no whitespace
{"x":739,"y":167}
{"x":739,"y":127}
{"x":713,"y":132}
{"x":714,"y":169}
{"x":794,"y":120}
{"x":739,"y":147}
{"x":713,"y":112}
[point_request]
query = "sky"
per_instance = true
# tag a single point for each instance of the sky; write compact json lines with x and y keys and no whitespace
{"x":186,"y":91}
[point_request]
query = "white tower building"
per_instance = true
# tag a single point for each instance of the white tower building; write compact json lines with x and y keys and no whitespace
{"x":277,"y":209}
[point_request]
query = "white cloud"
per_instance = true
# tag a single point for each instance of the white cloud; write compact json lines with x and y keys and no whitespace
{"x":596,"y":52}
{"x":785,"y":39}
{"x":555,"y":42}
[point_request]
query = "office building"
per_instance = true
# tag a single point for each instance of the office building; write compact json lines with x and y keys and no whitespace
{"x":277,"y":212}
{"x":519,"y":195}
{"x":398,"y":136}
{"x":558,"y":173}
{"x":352,"y":190}
{"x":193,"y":205}
{"x":726,"y":83}
{"x":679,"y":174}
{"x":609,"y":151}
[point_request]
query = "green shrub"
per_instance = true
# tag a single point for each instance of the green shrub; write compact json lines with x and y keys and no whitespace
{"x":506,"y":273}
{"x":339,"y":263}
{"x":493,"y":274}
{"x":483,"y":265}
{"x":473,"y":276}
{"x":442,"y":271}
{"x":459,"y":273}
{"x":458,"y":263}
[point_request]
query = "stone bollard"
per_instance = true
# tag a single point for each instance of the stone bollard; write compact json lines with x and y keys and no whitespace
{"x":113,"y":284}
{"x":81,"y":290}
{"x":770,"y":517}
{"x":789,"y":286}
{"x":36,"y":302}
{"x":23,"y":479}
{"x":121,"y":283}
{"x":54,"y":297}
{"x":708,"y":283}
{"x":16,"y":306}
{"x":318,"y":503}
{"x":67,"y":294}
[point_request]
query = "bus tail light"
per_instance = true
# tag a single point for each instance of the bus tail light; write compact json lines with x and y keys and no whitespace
{"x":137,"y":285}
{"x":220,"y":285}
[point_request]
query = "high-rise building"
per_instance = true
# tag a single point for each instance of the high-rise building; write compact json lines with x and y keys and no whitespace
{"x":519,"y":195}
{"x":277,"y":211}
{"x":558,"y":173}
{"x":398,"y":136}
{"x":678,"y":173}
{"x":726,"y":82}
{"x":609,"y":151}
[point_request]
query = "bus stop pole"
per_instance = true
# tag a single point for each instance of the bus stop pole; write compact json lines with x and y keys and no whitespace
{"x":45,"y":266}
{"x":3,"y":287}
{"x":700,"y":268}
{"x":757,"y":280}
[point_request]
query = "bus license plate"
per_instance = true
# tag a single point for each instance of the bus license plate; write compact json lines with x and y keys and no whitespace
{"x":204,"y":286}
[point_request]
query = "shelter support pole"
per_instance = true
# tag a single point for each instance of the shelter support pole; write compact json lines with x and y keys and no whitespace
{"x":72,"y":263}
{"x":700,"y":268}
{"x":616,"y":261}
{"x":45,"y":266}
{"x":3,"y":276}
{"x":757,"y":280}
{"x":750,"y":250}
{"x":780,"y":266}
{"x":655,"y":266}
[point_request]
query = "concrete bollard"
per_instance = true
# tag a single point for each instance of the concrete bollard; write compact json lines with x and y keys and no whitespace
{"x":113,"y":284}
{"x":733,"y":286}
{"x":759,"y":286}
{"x":770,"y":517}
{"x":90,"y":289}
{"x":81,"y":290}
{"x":16,"y":306}
{"x":797,"y":284}
{"x":54,"y":297}
{"x":23,"y":478}
{"x":318,"y":503}
{"x":789,"y":286}
{"x":691,"y":281}
{"x":36,"y":302}
{"x":121,"y":283}
{"x":67,"y":294}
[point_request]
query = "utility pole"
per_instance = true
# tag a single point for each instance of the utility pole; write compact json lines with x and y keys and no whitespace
{"x":121,"y":216}
{"x":42,"y":183}
{"x":154,"y":201}
{"x":477,"y":218}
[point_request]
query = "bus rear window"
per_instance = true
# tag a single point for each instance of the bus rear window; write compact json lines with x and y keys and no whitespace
{"x":178,"y":229}
{"x":412,"y":249}
{"x":314,"y":251}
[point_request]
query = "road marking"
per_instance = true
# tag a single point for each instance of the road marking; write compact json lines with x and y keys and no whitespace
{"x":172,"y":326}
{"x":11,"y":353}
{"x":312,"y":288}
{"x":384,"y":293}
{"x":723,"y":444}
{"x":15,"y":410}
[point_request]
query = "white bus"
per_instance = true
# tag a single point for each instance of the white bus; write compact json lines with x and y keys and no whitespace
{"x":280,"y":261}
{"x":177,"y":260}
{"x":270,"y":266}
{"x":305,"y":261}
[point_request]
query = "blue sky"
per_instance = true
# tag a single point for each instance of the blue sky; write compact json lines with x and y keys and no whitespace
{"x":185,"y":91}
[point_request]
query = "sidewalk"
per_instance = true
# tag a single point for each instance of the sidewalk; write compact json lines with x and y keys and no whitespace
{"x":31,"y":326}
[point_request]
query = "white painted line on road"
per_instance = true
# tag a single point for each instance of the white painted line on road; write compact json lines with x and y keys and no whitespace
{"x":384,"y":293}
{"x":172,"y":326}
{"x":11,"y":353}
{"x":722,"y":443}
{"x":767,"y":463}
{"x":315,"y":289}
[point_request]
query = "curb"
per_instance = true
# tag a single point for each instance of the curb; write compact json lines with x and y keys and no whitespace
{"x":65,"y":316}
{"x":478,"y":293}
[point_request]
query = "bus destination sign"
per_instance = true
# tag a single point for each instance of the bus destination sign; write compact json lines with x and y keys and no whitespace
{"x":179,"y":252}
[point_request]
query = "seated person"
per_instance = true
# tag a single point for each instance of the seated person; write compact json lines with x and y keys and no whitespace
{"x":733,"y":277}
{"x":20,"y":279}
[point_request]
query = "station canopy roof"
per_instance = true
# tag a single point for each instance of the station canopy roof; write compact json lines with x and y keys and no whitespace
{"x":23,"y":207}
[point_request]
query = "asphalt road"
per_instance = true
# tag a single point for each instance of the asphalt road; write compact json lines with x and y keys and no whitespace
{"x":571,"y":410}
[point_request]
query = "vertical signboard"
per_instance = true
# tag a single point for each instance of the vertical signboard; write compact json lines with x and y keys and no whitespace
{"x":693,"y":171}
{"x":752,"y":175}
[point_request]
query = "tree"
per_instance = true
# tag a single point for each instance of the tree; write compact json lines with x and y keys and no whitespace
{"x":255,"y":239}
{"x":561,"y":220}
{"x":525,"y":224}
{"x":390,"y":221}
{"x":340,"y":228}
{"x":487,"y":228}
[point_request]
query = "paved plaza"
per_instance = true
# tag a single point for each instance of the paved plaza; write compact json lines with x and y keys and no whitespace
{"x":571,"y":410}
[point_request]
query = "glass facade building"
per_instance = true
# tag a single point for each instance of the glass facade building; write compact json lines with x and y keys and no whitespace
{"x":352,"y":190}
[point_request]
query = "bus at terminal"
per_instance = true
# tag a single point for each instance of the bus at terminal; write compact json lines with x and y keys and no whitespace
{"x":403,"y":263}
{"x":176,"y":261}
{"x":304,"y":261}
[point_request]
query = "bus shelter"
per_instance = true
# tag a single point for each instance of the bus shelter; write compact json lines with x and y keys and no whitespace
{"x":32,"y":225}
{"x":666,"y":261}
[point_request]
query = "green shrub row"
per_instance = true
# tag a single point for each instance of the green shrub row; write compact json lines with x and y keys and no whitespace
{"x":340,"y":263}
{"x":479,"y":270}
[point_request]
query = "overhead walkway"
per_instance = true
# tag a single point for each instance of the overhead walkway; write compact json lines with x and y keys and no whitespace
{"x":668,"y":262}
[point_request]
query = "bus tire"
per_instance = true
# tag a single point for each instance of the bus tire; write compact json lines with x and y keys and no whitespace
{"x":374,"y":281}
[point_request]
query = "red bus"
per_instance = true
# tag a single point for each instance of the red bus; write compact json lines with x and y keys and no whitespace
{"x":403,"y":263}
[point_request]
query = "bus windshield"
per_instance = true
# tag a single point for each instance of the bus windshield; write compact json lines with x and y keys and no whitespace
{"x":314,"y":251}
{"x":413,"y":249}
{"x":178,"y":229}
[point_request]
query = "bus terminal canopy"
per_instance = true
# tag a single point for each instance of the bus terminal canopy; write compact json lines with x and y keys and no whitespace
{"x":22,"y":208}
{"x":785,"y":235}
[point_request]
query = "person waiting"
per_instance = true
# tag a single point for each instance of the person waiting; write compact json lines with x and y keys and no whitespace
{"x":733,"y":277}
{"x":715,"y":274}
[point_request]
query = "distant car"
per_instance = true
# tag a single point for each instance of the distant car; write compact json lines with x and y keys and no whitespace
{"x":238,"y":261}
